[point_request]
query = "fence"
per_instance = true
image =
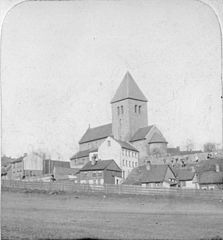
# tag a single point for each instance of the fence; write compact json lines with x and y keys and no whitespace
{"x":69,"y":186}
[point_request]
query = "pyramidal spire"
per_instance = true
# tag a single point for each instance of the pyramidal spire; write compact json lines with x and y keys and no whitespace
{"x":128,"y":89}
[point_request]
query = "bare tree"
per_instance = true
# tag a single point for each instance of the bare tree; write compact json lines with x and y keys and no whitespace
{"x":209,"y":147}
{"x":189,"y":145}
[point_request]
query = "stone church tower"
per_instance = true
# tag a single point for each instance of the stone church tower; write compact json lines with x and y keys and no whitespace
{"x":129,"y":109}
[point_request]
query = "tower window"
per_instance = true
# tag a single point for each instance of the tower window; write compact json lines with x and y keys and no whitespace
{"x":122,"y":109}
{"x":109,"y":143}
{"x":140,"y":109}
{"x":118,"y":110}
{"x":135,"y":108}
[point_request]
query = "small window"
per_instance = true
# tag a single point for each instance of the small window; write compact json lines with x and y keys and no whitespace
{"x":123,"y":162}
{"x":118,"y":110}
{"x":109,"y":143}
{"x":122,"y":109}
{"x":135,"y":108}
{"x":100,"y":174}
{"x":129,"y":164}
{"x":126,"y":163}
{"x":94,"y":174}
{"x":140,"y":109}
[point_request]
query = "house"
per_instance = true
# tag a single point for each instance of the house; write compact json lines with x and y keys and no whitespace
{"x":187,"y":179}
{"x":63,"y":173}
{"x":151,"y":175}
{"x":210,"y":174}
{"x":129,"y":125}
{"x":33,"y":164}
{"x":123,"y":153}
{"x":211,"y":180}
{"x":81,"y":158}
{"x":49,"y":165}
{"x":16,"y":170}
{"x":100,"y":172}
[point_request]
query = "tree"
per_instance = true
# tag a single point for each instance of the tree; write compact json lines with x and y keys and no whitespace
{"x":209,"y":147}
{"x":189,"y":145}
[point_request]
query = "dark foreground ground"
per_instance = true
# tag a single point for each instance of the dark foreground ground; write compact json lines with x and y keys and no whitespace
{"x":30,"y":215}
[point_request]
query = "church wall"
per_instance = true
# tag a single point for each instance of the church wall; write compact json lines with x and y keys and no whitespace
{"x":120,"y":120}
{"x":142,"y":147}
{"x":125,"y":123}
{"x":137,"y":115}
{"x":157,"y":148}
{"x":91,"y":145}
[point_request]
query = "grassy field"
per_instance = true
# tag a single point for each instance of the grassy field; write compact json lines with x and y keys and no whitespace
{"x":73,"y":216}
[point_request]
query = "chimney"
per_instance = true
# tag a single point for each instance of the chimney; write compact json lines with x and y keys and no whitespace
{"x":217,"y":167}
{"x":148,"y":165}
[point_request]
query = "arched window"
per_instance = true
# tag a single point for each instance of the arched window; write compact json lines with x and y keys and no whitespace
{"x":118,"y":110}
{"x":122,"y":109}
{"x":135,"y":108}
{"x":140,"y":109}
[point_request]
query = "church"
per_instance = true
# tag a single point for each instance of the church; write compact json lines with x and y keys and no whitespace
{"x":128,"y":140}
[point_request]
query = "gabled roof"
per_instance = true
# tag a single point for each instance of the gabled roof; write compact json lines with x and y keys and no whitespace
{"x":156,"y":173}
{"x":84,"y":153}
{"x":157,"y":138}
{"x":128,"y":89}
{"x":209,"y":165}
{"x":127,"y":145}
{"x":141,"y":133}
{"x":140,"y":174}
{"x":96,"y":133}
{"x":185,"y":175}
{"x":99,"y":165}
{"x":211,"y":177}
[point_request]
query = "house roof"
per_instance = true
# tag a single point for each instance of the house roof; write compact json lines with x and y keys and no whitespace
{"x":17,"y":160}
{"x":157,"y":138}
{"x":142,"y":175}
{"x":66,"y":171}
{"x":209,"y":165}
{"x":84,"y":153}
{"x":99,"y":165}
{"x":211,"y":177}
{"x":141,"y":133}
{"x":96,"y":133}
{"x":155,"y":174}
{"x":128,"y":89}
{"x":185,"y":175}
{"x":127,"y":145}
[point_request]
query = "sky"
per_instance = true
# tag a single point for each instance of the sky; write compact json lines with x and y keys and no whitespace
{"x":63,"y":61}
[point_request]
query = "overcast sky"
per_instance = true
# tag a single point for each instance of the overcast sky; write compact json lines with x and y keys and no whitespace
{"x":63,"y":61}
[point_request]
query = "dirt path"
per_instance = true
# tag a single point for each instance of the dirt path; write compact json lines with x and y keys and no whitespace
{"x":35,"y":216}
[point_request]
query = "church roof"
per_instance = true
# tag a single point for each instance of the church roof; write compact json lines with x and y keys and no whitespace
{"x":141,"y":133}
{"x":127,"y":145}
{"x":157,"y":138}
{"x":128,"y":89}
{"x":96,"y":133}
{"x":84,"y":153}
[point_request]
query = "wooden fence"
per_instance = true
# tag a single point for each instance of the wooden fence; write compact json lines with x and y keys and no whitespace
{"x":69,"y":186}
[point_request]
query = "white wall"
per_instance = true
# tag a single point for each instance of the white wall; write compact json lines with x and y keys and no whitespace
{"x":33,"y":162}
{"x":115,"y":152}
